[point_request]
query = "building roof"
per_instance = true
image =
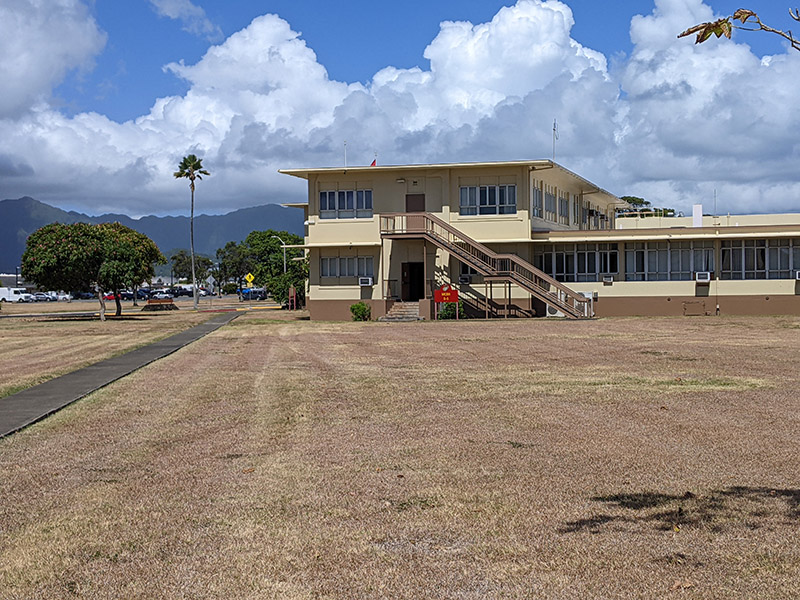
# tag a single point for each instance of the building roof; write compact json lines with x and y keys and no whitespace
{"x":533,"y":165}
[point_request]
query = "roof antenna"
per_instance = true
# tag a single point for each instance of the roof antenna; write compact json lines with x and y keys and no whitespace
{"x":555,"y":137}
{"x":345,"y":154}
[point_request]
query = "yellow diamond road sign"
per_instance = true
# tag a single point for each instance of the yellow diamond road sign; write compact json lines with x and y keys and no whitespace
{"x":249,"y":277}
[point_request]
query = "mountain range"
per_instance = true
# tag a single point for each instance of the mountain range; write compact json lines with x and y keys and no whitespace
{"x":22,"y":216}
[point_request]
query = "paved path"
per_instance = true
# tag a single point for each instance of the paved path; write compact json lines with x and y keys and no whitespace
{"x":35,"y":403}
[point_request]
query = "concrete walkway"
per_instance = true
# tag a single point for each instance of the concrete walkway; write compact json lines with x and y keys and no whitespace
{"x":35,"y":403}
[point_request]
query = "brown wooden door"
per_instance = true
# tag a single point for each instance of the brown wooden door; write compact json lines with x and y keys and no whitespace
{"x":415,"y":202}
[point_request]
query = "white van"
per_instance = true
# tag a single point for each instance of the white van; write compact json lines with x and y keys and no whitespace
{"x":15,"y":295}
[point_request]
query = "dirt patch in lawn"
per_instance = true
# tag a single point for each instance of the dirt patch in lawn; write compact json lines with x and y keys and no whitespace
{"x":621,"y":458}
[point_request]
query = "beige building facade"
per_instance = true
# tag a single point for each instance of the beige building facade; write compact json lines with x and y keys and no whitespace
{"x":531,"y":238}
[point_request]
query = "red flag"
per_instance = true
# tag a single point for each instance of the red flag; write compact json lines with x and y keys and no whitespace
{"x":374,"y":163}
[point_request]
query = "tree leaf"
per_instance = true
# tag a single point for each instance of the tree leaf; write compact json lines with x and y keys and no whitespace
{"x":743,"y":15}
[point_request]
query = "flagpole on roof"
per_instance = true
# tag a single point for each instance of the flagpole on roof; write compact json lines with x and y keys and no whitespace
{"x":555,"y":137}
{"x":345,"y":154}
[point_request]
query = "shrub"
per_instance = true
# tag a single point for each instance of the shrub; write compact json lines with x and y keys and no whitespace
{"x":361,"y":311}
{"x":229,"y":288}
{"x":448,"y":311}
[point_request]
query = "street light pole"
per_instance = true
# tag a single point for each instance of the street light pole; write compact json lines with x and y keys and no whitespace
{"x":283,"y":245}
{"x":16,"y":276}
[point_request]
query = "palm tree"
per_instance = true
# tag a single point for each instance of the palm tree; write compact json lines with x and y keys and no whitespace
{"x":191,"y":168}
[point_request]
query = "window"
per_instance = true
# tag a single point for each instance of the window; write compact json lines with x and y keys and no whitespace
{"x":346,"y":266}
{"x":680,"y":259}
{"x":577,"y":262}
{"x":576,"y":210}
{"x":365,"y":266}
{"x":363,"y":204}
{"x":345,"y":204}
{"x":329,"y":267}
{"x":468,"y":200}
{"x":508,"y":199}
{"x":550,"y":206}
{"x":563,"y":210}
{"x":537,"y":202}
{"x":759,"y":259}
{"x":488,"y":200}
{"x":663,"y":261}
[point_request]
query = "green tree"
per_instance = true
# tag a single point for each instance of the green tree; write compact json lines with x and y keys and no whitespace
{"x":636,"y":202}
{"x":182,"y":265}
{"x":129,"y":258}
{"x":234,"y":262}
{"x":191,"y":168}
{"x":266,"y":250}
{"x":726,"y":25}
{"x":105,"y":257}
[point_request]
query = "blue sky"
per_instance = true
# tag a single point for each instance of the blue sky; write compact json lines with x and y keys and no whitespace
{"x":102,"y":99}
{"x":353,"y":40}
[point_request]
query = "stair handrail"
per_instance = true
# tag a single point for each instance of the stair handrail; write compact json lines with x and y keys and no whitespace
{"x":564,"y":295}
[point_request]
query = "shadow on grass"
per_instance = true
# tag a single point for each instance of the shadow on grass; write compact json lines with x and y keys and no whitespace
{"x":80,"y":318}
{"x":751,"y":507}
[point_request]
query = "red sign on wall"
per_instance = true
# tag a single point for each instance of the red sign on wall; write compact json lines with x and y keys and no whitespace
{"x":446,"y":293}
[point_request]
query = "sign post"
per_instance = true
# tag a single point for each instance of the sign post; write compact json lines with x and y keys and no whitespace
{"x":445,"y":295}
{"x":249,"y":279}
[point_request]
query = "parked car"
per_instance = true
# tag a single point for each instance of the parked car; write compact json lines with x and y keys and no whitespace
{"x":177,"y":292}
{"x":143,"y":293}
{"x":108,"y":296}
{"x":64,"y":297}
{"x":161,"y":295}
{"x":41,"y":297}
{"x":252,"y":294}
{"x":126,"y":295}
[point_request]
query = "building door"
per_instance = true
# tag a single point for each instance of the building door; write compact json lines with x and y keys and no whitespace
{"x":413,"y":282}
{"x":415,"y":202}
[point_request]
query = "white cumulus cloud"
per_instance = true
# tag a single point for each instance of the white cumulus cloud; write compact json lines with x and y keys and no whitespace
{"x":673,"y":122}
{"x":40,"y":42}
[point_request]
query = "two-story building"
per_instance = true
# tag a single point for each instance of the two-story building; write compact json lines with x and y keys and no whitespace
{"x":530,"y":238}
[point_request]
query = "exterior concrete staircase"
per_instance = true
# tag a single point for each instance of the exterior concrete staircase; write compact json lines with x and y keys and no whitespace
{"x":402,"y":311}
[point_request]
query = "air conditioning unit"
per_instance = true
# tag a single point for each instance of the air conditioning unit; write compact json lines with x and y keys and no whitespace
{"x":468,"y":279}
{"x":608,"y":279}
{"x":365,"y":281}
{"x":797,"y":275}
{"x":702,"y":277}
{"x":552,"y":311}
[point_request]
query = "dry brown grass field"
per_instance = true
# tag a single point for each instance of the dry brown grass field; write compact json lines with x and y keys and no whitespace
{"x":619,"y":458}
{"x":38,"y":348}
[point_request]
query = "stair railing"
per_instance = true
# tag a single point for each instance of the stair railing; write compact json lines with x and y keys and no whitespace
{"x":487,"y":261}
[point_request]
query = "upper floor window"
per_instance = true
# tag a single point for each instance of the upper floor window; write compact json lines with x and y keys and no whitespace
{"x":537,"y":202}
{"x":345,"y":204}
{"x":488,"y":200}
{"x":563,"y":210}
{"x":550,"y":206}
